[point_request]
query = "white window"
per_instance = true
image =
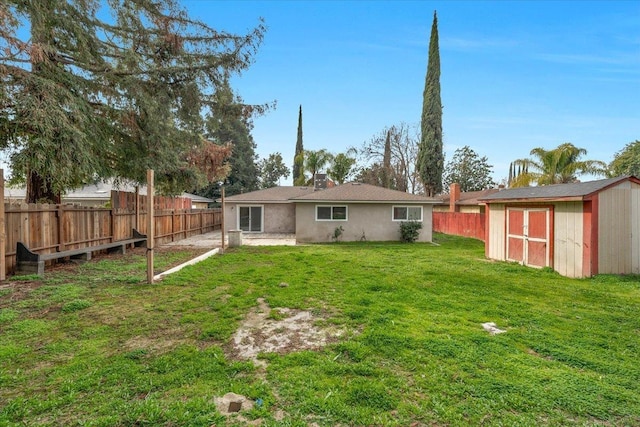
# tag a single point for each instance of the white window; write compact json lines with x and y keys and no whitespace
{"x":407,"y":213}
{"x":331,"y":213}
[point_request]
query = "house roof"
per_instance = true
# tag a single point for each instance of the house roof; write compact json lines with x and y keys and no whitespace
{"x":100,"y":191}
{"x":573,"y":191}
{"x":356,"y":192}
{"x":470,"y":198}
{"x":274,"y":195}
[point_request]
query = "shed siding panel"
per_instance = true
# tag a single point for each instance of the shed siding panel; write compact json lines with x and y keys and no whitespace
{"x":497,"y":221}
{"x":568,"y":244}
{"x":614,"y":224}
{"x":635,"y":228}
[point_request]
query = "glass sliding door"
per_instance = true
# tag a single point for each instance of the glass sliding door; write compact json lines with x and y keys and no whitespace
{"x":250,"y":218}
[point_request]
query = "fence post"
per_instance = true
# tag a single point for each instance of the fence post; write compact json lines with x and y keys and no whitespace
{"x":150,"y":226}
{"x":137,"y":208}
{"x":60,"y":221}
{"x":222,"y":220}
{"x":173,"y":222}
{"x":25,"y":236}
{"x":3,"y":234}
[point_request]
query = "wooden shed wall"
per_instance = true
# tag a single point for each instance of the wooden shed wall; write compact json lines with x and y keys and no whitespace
{"x":614,"y":225}
{"x":495,"y":241}
{"x":635,"y":228}
{"x":568,"y":244}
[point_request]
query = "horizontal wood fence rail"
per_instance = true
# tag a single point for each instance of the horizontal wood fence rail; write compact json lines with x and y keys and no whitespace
{"x":460,"y":224}
{"x":54,"y":228}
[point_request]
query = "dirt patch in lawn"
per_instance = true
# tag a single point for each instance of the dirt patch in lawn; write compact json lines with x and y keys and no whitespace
{"x":279,"y":330}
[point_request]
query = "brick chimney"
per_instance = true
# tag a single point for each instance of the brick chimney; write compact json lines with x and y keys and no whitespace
{"x":454,"y":196}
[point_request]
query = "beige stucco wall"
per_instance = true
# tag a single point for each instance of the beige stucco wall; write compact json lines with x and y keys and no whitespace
{"x":277,"y":217}
{"x":371,"y":221}
{"x":618,"y":219}
{"x":280,"y":218}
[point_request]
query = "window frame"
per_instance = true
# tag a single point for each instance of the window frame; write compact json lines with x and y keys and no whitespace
{"x":407,"y":207}
{"x":239,"y":207}
{"x":332,"y":207}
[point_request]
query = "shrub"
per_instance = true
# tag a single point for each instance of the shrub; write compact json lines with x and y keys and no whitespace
{"x":337,"y":233}
{"x":409,"y":231}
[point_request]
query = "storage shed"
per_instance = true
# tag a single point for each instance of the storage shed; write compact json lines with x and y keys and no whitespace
{"x":579,"y":230}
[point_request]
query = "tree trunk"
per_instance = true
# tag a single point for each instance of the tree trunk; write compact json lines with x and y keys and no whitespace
{"x":39,"y":190}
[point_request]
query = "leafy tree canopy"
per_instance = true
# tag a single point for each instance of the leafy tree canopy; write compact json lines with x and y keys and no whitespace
{"x":468,"y":169}
{"x":271,"y":170}
{"x":627,"y":160}
{"x":341,"y":167}
{"x":96,"y":89}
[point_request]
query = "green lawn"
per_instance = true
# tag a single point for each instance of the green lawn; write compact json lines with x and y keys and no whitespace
{"x":96,"y":346}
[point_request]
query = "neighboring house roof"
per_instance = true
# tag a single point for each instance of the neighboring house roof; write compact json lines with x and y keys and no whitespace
{"x":197,"y":199}
{"x":468,"y":198}
{"x":100,"y":191}
{"x":568,"y":192}
{"x":356,"y":192}
{"x":273,"y":195}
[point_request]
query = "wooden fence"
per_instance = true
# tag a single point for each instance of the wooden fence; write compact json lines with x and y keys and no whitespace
{"x":49,"y":228}
{"x":460,"y":224}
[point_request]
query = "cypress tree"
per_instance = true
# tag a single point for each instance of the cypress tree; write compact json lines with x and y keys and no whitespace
{"x":298,"y":159}
{"x":386,"y":161}
{"x":430,"y":156}
{"x":510,"y":174}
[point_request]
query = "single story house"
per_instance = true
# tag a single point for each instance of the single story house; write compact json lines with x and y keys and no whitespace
{"x":99,"y":195}
{"x":579,"y":230}
{"x":358,"y":211}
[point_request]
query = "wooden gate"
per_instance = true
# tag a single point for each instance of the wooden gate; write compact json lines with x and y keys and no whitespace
{"x":529,"y":236}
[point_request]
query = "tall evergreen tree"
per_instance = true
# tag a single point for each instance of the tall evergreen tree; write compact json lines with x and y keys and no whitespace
{"x":93,"y":89}
{"x":228,"y":125}
{"x":387,"y":171}
{"x":430,"y":154}
{"x":298,"y":158}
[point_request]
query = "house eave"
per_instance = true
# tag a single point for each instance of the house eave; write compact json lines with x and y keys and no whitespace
{"x":535,"y":200}
{"x":257,"y":202}
{"x":387,"y":202}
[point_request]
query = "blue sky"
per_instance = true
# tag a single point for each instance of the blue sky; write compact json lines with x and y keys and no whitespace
{"x":514,"y":75}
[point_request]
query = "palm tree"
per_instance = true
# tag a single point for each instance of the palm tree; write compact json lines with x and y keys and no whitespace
{"x":314,"y":162}
{"x":557,"y":166}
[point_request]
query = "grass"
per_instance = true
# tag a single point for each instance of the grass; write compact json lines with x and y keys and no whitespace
{"x":97,"y":346}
